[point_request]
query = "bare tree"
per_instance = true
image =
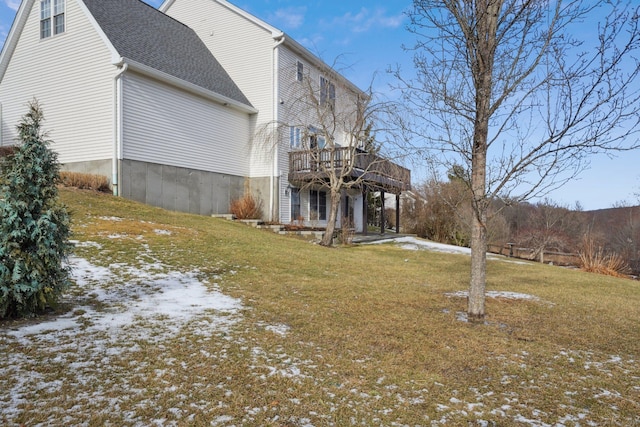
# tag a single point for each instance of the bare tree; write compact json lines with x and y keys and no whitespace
{"x":333,"y":141}
{"x":503,"y":87}
{"x":547,"y":228}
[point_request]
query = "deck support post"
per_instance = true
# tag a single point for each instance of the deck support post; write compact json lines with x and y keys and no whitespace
{"x":365,"y":211}
{"x":382,"y":218}
{"x":398,"y":213}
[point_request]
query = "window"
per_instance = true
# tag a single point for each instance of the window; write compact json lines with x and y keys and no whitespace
{"x":299,"y":71}
{"x":51,"y":18}
{"x":327,"y":93}
{"x":315,"y":139}
{"x":295,"y":204}
{"x":295,"y":137}
{"x":318,"y":208}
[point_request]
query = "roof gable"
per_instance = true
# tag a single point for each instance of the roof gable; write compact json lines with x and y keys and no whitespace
{"x":278,"y":36}
{"x":12,"y":38}
{"x":143,"y":34}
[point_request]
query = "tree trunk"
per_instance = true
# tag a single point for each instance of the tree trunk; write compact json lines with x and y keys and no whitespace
{"x":476,"y":303}
{"x":476,"y":309}
{"x":484,"y":48}
{"x":334,"y":200}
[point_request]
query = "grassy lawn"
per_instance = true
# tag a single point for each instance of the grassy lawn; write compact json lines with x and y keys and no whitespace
{"x":188,"y":320}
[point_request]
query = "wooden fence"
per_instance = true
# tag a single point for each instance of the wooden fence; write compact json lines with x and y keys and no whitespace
{"x":557,"y":258}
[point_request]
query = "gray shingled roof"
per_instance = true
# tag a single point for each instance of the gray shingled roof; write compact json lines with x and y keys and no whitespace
{"x":145,"y":35}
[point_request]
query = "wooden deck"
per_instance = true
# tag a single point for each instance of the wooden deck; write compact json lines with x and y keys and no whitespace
{"x":374,"y":171}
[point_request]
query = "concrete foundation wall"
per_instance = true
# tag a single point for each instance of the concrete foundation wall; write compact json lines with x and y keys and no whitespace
{"x":260,"y":190}
{"x":179,"y":189}
{"x":94,"y":167}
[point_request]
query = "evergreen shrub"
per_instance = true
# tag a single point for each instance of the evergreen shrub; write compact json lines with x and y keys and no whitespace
{"x":34,"y":226}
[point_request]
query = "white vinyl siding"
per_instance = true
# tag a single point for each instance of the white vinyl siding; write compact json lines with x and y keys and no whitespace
{"x":72,"y":78}
{"x":168,"y":126}
{"x":245,"y":50}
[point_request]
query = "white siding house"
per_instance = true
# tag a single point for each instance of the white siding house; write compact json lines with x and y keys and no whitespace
{"x":130,"y":93}
{"x":185,"y":107}
{"x":277,"y":74}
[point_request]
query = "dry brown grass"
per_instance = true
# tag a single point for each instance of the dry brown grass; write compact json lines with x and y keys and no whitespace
{"x":85,"y":181}
{"x":371,"y":337}
{"x":246,"y":207}
{"x":594,"y":259}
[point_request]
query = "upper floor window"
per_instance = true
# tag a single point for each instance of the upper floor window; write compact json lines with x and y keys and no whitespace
{"x":299,"y":71}
{"x":51,"y":18}
{"x":327,"y":93}
{"x":295,"y":137}
{"x":315,"y":139}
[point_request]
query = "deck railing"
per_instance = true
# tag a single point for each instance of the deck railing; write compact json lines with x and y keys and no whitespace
{"x":317,"y":164}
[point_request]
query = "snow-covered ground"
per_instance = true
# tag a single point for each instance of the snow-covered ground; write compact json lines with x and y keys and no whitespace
{"x":152,"y":305}
{"x":144,"y":302}
{"x":415,"y":244}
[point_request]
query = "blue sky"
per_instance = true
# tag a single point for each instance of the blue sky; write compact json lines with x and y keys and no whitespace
{"x":365,"y":37}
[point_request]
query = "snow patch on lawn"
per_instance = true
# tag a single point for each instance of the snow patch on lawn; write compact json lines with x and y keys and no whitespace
{"x":113,"y":317}
{"x":496,"y":295}
{"x":110,"y":218}
{"x":280,"y":329}
{"x":416,"y":244}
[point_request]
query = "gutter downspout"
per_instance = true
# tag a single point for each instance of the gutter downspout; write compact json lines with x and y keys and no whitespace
{"x":279,"y":38}
{"x":117,"y":126}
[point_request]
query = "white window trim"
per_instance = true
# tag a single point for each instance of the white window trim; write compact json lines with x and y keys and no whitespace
{"x":54,"y":6}
{"x":319,"y":214}
{"x":295,"y":137}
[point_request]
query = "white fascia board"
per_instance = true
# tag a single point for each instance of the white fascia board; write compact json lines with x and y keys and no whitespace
{"x":18,"y":25}
{"x":276,"y":33}
{"x":15,"y":32}
{"x":288,"y":41}
{"x":115,"y":56}
{"x":277,"y":36}
{"x":185,"y":85}
{"x":166,"y":4}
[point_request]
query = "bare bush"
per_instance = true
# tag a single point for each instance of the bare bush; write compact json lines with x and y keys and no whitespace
{"x":246,"y":207}
{"x":85,"y":181}
{"x":7,"y":150}
{"x":441,"y":213}
{"x":594,"y":259}
{"x":347,"y":231}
